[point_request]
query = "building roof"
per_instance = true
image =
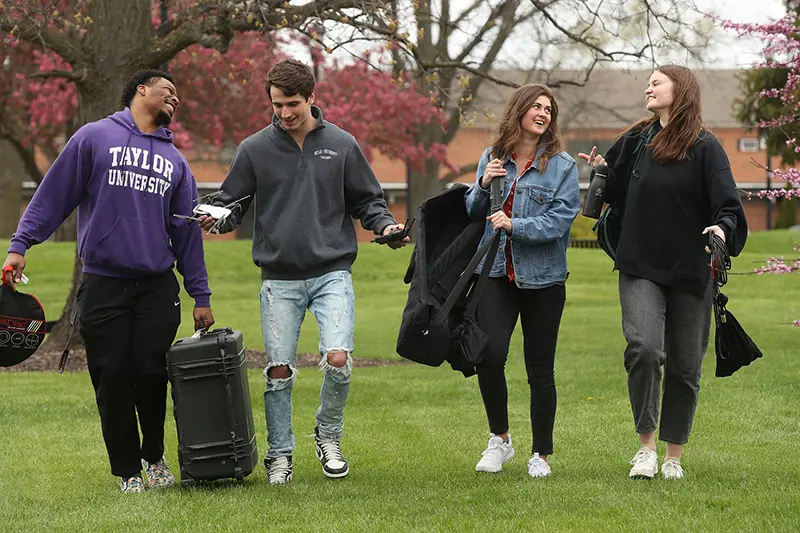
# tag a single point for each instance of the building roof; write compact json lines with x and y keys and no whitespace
{"x":611,"y":98}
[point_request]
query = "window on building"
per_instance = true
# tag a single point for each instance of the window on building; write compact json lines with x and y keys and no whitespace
{"x":749,"y":144}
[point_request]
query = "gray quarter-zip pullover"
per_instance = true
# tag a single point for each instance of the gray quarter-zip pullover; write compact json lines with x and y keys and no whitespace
{"x":304,"y":199}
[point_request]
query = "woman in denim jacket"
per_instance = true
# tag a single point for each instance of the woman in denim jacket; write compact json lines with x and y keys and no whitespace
{"x":529,"y":272}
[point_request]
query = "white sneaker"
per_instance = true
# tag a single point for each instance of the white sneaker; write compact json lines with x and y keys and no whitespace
{"x":671,"y":469}
{"x":645,"y":464}
{"x":538,"y":467}
{"x":496,"y":453}
{"x":279,"y":469}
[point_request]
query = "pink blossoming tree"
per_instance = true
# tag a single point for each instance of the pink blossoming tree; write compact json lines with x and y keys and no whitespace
{"x":781,"y":51}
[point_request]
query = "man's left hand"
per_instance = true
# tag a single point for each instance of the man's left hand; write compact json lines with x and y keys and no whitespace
{"x":396,"y":244}
{"x":203,"y":318}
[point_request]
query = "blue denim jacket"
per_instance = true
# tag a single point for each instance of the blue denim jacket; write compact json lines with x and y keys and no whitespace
{"x":545,"y":205}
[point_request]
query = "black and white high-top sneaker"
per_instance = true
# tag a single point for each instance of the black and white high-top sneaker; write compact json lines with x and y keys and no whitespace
{"x":279,"y":469}
{"x":329,"y":453}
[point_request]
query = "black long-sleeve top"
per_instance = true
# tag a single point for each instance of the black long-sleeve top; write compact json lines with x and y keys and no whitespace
{"x":666,"y":207}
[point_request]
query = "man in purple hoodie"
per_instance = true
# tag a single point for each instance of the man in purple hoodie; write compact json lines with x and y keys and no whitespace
{"x":127,"y":180}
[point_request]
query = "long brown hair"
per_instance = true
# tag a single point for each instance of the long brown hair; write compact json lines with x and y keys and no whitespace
{"x":510,"y":129}
{"x":685,"y":121}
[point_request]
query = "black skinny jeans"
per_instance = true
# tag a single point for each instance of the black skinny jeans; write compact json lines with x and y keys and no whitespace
{"x":540,"y":311}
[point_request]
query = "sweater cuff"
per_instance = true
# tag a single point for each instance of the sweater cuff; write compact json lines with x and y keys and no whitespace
{"x":729,"y":229}
{"x":17,"y":247}
{"x":382,"y":224}
{"x":203,"y":300}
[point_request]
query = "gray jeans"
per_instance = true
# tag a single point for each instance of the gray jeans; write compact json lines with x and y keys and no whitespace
{"x":663,"y":326}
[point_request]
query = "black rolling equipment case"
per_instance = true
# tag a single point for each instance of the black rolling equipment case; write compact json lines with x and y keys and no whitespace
{"x":213,"y":413}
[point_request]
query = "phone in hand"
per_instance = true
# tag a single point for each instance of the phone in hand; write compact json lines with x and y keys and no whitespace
{"x":395,"y":235}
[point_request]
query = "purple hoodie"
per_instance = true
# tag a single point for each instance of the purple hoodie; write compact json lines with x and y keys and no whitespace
{"x":126,"y":185}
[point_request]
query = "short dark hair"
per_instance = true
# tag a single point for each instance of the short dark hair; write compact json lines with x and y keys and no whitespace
{"x":141,"y":77}
{"x":292,"y":77}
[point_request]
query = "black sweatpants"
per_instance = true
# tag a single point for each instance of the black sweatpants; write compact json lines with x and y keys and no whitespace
{"x":127,"y":326}
{"x":540,"y":311}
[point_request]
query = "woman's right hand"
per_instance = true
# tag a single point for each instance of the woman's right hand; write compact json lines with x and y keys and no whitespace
{"x":493,"y":170}
{"x":592,"y":158}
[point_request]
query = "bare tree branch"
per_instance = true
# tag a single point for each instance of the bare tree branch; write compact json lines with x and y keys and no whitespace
{"x":467,"y":12}
{"x":444,"y":18}
{"x":79,"y":75}
{"x":434,"y":65}
{"x":213,"y":25}
{"x":581,"y":40}
{"x":474,"y":82}
{"x":14,"y":132}
{"x":28,"y":157}
{"x":460,"y":171}
{"x":59,"y":42}
{"x":490,"y":23}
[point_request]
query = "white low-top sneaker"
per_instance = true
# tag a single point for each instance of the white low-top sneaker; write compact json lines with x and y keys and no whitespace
{"x":538,"y":467}
{"x":645,"y":464}
{"x":496,"y":453}
{"x":671,"y":469}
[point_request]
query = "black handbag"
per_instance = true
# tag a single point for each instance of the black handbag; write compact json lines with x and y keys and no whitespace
{"x":733,"y":346}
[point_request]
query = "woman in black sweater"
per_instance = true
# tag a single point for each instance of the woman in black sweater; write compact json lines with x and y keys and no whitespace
{"x":672,"y":180}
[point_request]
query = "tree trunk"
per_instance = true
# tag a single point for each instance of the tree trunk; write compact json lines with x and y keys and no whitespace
{"x":68,"y":230}
{"x":56,"y":339}
{"x":12,"y":173}
{"x":424,"y":184}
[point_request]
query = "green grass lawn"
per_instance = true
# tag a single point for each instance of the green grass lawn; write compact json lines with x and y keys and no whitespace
{"x":415,"y":433}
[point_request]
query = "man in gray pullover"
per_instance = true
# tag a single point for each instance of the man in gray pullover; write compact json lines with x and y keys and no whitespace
{"x":309,"y":179}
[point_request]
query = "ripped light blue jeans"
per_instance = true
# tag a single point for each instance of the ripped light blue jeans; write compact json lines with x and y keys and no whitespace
{"x":331,"y":299}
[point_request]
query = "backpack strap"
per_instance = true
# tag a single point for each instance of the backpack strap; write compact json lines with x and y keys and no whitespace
{"x":488,"y":249}
{"x":480,"y":285}
{"x":496,"y":194}
{"x":645,"y":136}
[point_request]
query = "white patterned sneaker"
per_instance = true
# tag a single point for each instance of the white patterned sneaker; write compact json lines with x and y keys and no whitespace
{"x":131,"y":484}
{"x":645,"y":464}
{"x":671,"y":469}
{"x":495,"y":455}
{"x":158,"y":474}
{"x":538,"y":467}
